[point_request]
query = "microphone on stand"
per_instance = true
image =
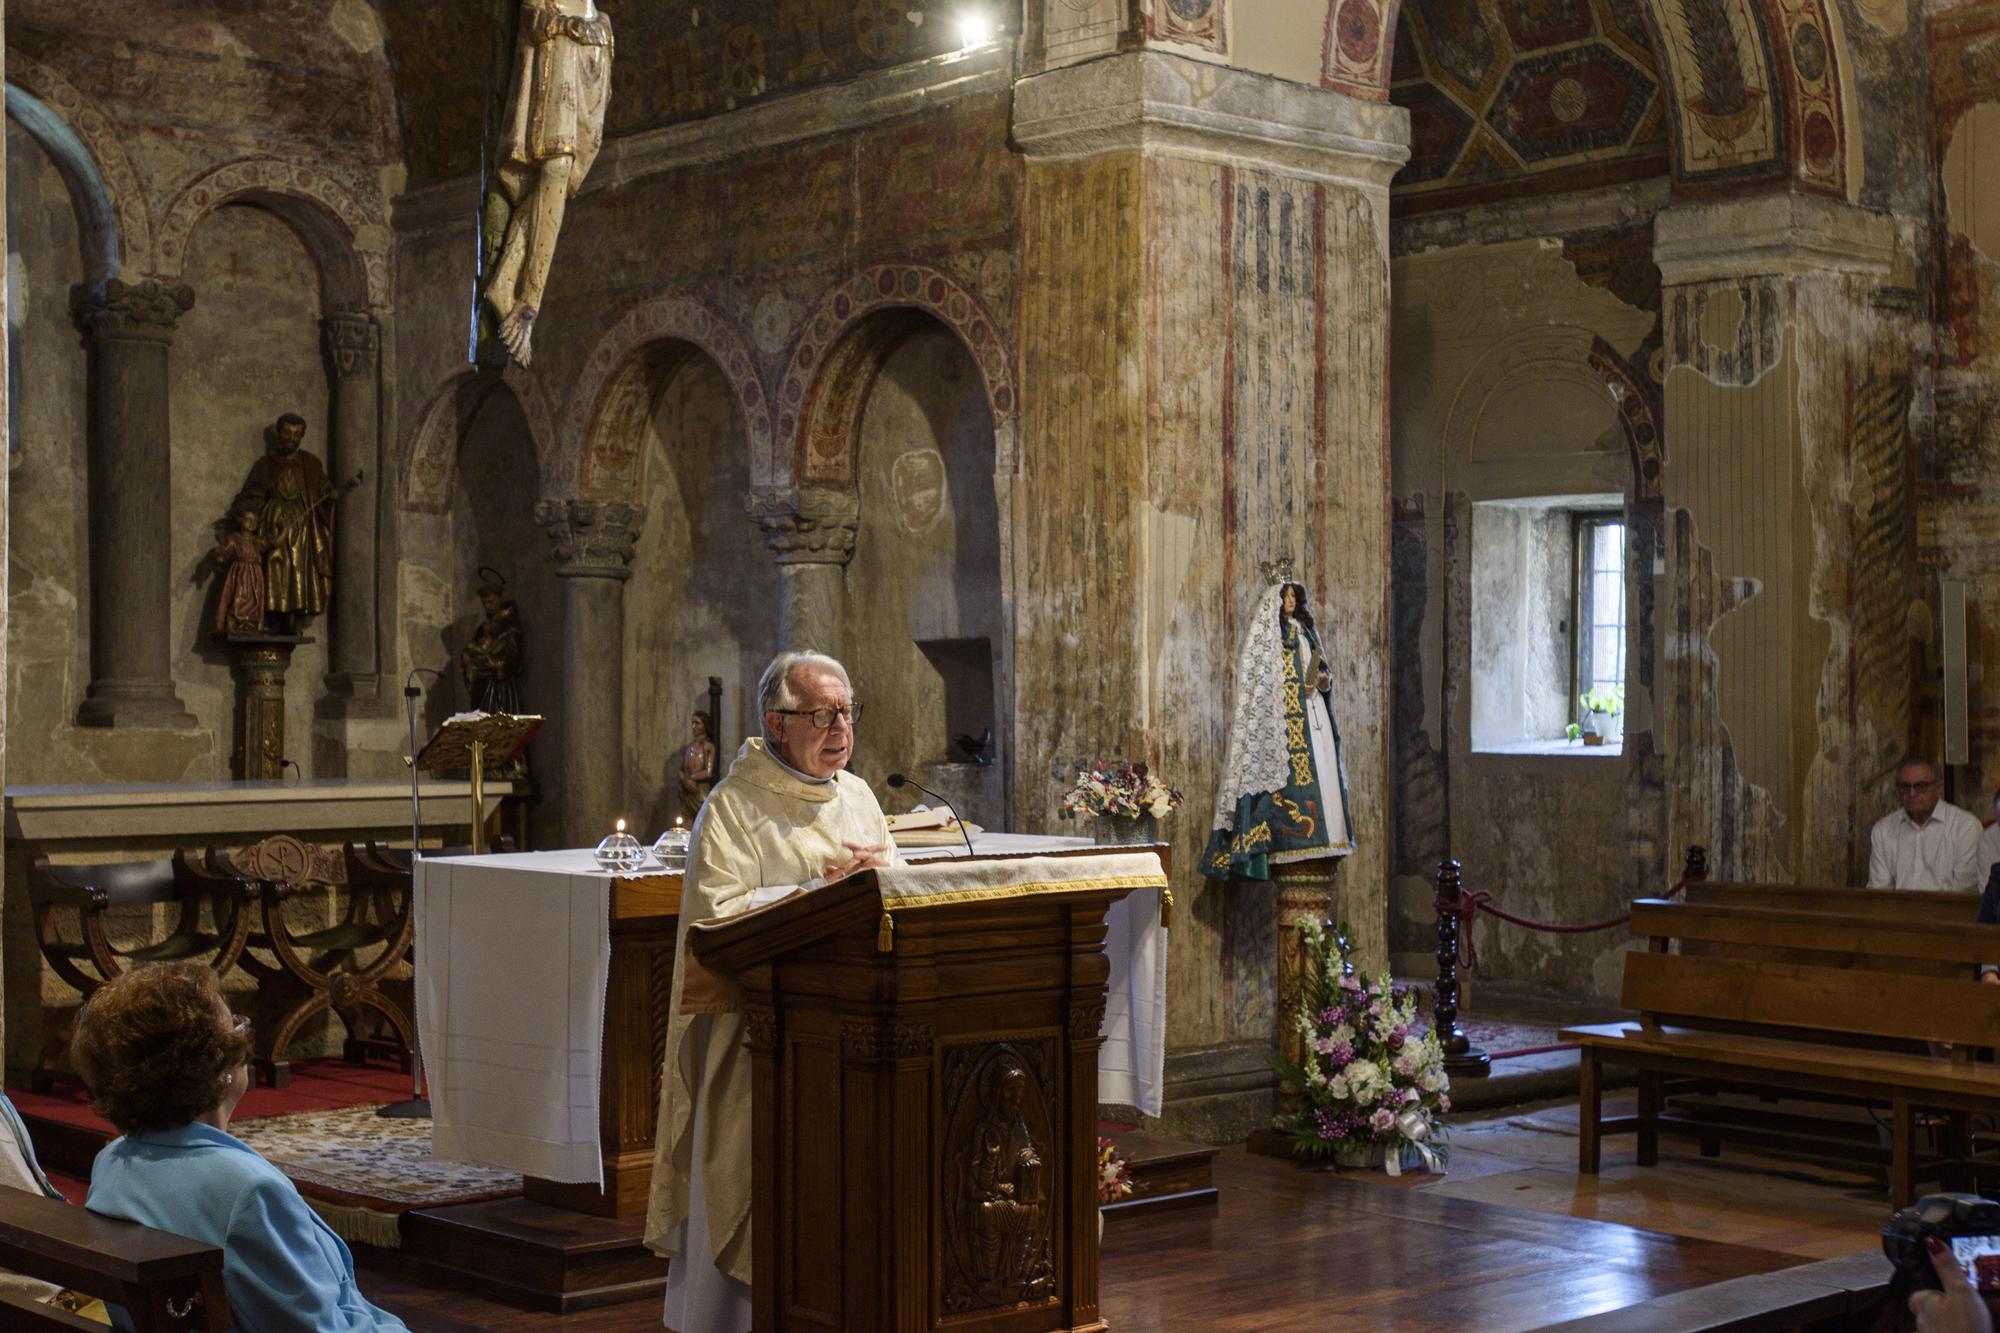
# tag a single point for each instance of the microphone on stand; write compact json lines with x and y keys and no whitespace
{"x":898,"y":780}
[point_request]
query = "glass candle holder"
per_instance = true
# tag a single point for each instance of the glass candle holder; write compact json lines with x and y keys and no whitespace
{"x":670,"y":849}
{"x":620,"y":852}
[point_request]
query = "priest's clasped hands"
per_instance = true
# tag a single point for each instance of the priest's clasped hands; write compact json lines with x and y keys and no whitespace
{"x":866,"y":856}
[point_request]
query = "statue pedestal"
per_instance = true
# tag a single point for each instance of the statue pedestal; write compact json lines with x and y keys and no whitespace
{"x":261,"y":663}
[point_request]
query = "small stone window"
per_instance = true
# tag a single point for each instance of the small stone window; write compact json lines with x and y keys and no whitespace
{"x":1547,"y":622}
{"x":1599,"y":609}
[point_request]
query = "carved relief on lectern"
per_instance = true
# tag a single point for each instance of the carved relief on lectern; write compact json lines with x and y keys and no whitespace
{"x":1002,"y":1196}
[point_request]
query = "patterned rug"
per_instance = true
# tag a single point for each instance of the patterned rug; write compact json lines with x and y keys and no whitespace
{"x":1504,"y":1041}
{"x":362,"y":1172}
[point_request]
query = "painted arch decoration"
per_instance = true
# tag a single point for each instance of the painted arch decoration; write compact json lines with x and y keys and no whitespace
{"x":430,"y":472}
{"x":835,"y":358}
{"x":348,"y":240}
{"x":126,"y":195}
{"x":613,"y":393}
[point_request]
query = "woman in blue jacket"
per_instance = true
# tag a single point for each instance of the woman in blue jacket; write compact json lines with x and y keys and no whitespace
{"x":166,"y":1062}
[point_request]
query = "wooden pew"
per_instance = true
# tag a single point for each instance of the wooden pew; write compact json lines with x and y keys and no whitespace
{"x":1803,"y":1000}
{"x":165,"y":1282}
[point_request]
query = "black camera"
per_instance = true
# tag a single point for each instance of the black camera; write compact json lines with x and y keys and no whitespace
{"x":1967,"y":1223}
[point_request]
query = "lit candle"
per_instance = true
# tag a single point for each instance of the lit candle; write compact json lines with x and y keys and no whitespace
{"x":621,"y":826}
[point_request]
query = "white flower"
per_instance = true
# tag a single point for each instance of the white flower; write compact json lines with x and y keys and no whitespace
{"x":1316,"y":1078}
{"x":1343,"y":1034}
{"x":1337,"y":1087}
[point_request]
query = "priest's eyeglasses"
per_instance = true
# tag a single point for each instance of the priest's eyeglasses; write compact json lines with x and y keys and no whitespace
{"x":822,"y":718}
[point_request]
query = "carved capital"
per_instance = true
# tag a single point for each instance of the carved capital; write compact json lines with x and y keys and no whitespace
{"x":865,"y":1039}
{"x":141,"y":310}
{"x":352,"y":343}
{"x":808,"y":525}
{"x":760,"y":1028}
{"x":592,"y":538}
{"x":1086,"y":1020}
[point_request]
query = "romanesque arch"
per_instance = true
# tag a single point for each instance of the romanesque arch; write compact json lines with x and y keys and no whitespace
{"x":601,"y":418}
{"x":111,"y":204}
{"x":347,"y":240}
{"x":840,"y":346}
{"x":429,"y":461}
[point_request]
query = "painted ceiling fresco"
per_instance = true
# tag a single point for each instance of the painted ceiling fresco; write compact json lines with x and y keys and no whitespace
{"x":1508,"y":97}
{"x":677,"y":60}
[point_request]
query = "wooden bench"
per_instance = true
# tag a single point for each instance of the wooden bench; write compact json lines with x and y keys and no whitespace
{"x":1808,"y":1000}
{"x":164,"y":1282}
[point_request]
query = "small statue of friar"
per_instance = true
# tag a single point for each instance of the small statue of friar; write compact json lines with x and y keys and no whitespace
{"x":491,"y":659}
{"x":293,"y":501}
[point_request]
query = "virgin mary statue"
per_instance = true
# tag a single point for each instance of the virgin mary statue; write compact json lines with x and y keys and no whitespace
{"x":1284,"y":790}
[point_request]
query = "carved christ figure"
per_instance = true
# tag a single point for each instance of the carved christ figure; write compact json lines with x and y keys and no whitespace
{"x":553,"y":129}
{"x":1003,"y":1183}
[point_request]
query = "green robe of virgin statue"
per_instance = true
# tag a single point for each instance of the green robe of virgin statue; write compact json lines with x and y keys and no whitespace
{"x":1283,"y":796}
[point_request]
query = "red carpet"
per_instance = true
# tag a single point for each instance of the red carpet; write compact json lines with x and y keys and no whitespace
{"x":317,"y":1085}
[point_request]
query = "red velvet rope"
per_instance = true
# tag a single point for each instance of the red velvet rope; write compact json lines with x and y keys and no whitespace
{"x":1469,"y":904}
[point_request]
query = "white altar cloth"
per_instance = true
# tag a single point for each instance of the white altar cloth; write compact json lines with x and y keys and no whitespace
{"x":512,"y":1030}
{"x":513,"y":957}
{"x":1131,"y":1063}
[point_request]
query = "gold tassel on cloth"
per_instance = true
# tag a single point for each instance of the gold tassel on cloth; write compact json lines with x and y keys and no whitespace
{"x":885,"y":935}
{"x":1166,"y":909}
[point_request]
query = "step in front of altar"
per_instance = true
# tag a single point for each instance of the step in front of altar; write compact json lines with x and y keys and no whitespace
{"x":535,"y":1255}
{"x":1166,"y":1173}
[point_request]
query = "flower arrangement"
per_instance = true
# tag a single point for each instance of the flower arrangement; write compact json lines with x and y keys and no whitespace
{"x":1114,"y":1175}
{"x":1119,"y":788}
{"x":1370,"y":1080}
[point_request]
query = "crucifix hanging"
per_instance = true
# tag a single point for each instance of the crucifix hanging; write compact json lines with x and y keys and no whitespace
{"x":548,"y":79}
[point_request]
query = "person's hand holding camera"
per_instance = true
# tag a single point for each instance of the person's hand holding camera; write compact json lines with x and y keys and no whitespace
{"x":1955,"y":1309}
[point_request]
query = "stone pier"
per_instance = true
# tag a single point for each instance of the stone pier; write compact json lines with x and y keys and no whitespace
{"x":128,"y":331}
{"x":811,"y":531}
{"x":593,"y":542}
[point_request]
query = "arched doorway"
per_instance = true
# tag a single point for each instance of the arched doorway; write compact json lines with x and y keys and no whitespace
{"x":927,"y":635}
{"x":247,"y":352}
{"x":702,"y":602}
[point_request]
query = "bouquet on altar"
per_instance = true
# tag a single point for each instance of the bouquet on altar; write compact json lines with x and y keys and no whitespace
{"x":1371,"y":1085}
{"x":1118,"y":788}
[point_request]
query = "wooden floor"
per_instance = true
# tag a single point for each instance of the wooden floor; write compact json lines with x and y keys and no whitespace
{"x":1512,"y":1238}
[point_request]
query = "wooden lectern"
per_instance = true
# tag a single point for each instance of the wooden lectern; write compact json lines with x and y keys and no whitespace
{"x":925,"y":1076}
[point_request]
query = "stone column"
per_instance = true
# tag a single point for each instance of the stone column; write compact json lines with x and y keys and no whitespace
{"x":811,"y":531}
{"x":1784,"y":688}
{"x":594,"y":542}
{"x":127,"y":331}
{"x":1203,"y":346}
{"x":353,"y":346}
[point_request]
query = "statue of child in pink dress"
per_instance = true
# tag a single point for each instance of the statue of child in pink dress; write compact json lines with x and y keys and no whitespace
{"x":240,"y":610}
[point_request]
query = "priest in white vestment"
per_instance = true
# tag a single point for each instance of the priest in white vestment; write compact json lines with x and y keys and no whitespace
{"x":788,"y":813}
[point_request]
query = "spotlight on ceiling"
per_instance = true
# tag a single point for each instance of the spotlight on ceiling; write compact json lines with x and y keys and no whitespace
{"x":974,"y":29}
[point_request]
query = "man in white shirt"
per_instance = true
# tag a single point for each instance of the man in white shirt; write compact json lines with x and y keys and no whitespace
{"x":1929,"y":843}
{"x":1989,"y":843}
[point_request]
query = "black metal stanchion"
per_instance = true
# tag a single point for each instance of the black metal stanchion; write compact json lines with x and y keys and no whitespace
{"x":1461,"y":1058}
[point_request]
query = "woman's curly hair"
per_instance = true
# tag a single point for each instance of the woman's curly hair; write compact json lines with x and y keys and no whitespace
{"x":156,"y":1047}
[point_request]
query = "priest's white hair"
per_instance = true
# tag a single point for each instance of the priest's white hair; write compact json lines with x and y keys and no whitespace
{"x":774,"y":687}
